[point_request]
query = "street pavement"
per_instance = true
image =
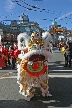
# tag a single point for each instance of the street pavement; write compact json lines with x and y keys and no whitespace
{"x":60,"y":86}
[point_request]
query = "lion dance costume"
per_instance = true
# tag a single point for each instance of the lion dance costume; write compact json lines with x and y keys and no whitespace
{"x":32,"y":63}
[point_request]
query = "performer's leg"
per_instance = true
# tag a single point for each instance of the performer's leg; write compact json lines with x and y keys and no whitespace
{"x":6,"y":62}
{"x":66,"y":60}
{"x":13,"y":63}
{"x":9,"y":61}
{"x":27,"y":91}
{"x":69,"y":58}
{"x":44,"y":85}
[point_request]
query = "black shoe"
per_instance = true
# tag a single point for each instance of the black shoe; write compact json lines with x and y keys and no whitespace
{"x":65,"y":65}
{"x":13,"y":67}
{"x":69,"y":65}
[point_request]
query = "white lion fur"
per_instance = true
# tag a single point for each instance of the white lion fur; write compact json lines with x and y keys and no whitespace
{"x":26,"y":37}
{"x":46,"y":38}
{"x":30,"y":53}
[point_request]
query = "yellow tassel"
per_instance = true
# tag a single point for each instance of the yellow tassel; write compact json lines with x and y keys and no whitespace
{"x":45,"y":81}
{"x":24,"y":87}
{"x":22,"y":81}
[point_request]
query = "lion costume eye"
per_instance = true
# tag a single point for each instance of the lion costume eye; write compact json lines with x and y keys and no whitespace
{"x":22,"y":39}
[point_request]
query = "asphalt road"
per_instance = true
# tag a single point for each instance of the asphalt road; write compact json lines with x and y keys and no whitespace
{"x":60,"y":86}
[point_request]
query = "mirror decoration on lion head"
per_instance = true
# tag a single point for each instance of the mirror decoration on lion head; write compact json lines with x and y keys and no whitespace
{"x":32,"y":65}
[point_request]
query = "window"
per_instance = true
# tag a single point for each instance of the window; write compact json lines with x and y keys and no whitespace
{"x":27,"y":28}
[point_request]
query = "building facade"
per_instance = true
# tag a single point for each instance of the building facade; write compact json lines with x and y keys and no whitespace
{"x":59,"y":33}
{"x":10,"y":32}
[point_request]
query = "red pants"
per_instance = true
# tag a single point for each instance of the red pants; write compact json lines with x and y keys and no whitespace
{"x":2,"y":62}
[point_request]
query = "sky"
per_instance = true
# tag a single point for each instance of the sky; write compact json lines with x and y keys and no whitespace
{"x":44,"y":13}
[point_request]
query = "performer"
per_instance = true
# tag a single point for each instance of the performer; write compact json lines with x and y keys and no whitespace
{"x":15,"y":51}
{"x":32,"y":64}
{"x":9,"y":63}
{"x":5,"y":54}
{"x":2,"y":62}
{"x":12,"y":60}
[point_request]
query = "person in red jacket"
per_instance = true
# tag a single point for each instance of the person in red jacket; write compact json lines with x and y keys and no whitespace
{"x":9,"y":55}
{"x":5,"y":53}
{"x":2,"y":62}
{"x":15,"y":51}
{"x":4,"y":49}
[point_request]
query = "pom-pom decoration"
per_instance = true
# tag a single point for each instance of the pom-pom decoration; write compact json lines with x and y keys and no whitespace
{"x":35,"y":38}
